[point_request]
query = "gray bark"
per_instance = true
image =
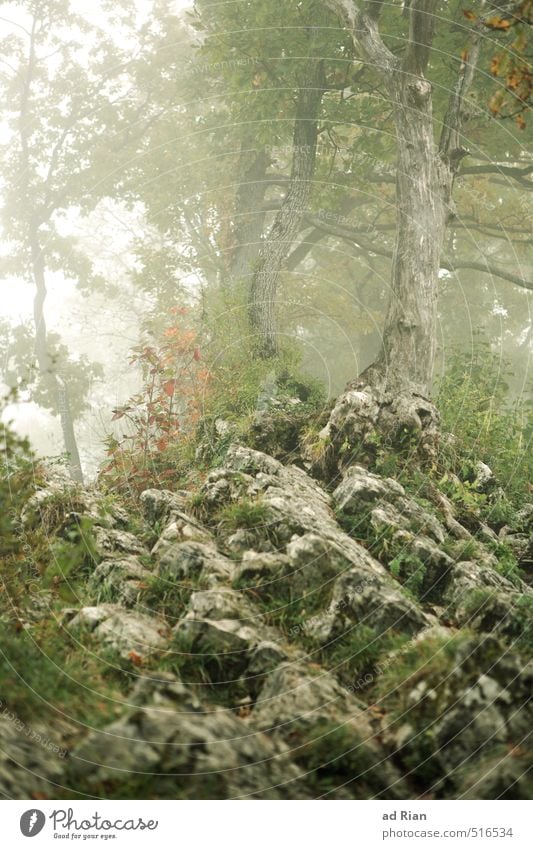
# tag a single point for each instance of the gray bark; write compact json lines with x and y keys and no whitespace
{"x":409,"y":338}
{"x":47,"y":368}
{"x":48,"y":373}
{"x":262,"y":302}
{"x":250,"y":213}
{"x":390,"y":395}
{"x":425,"y":175}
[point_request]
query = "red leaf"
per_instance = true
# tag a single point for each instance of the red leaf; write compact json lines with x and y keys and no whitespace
{"x":497,"y":23}
{"x":169,"y":387}
{"x":135,"y":658}
{"x":197,"y":356}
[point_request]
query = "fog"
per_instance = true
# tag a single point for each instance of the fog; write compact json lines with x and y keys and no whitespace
{"x":132,"y":121}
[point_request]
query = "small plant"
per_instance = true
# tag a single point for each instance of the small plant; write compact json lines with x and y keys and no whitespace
{"x":164,"y":414}
{"x":42,"y":673}
{"x":244,"y":514}
{"x":461,"y":549}
{"x":522,"y":619}
{"x":357,"y":657}
{"x":477,"y":601}
{"x":336,"y":757}
{"x":72,"y":558}
{"x":410,"y":570}
{"x":507,"y":564}
{"x":168,"y":598}
{"x":487,"y":425}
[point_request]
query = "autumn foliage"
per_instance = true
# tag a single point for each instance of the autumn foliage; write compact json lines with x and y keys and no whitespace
{"x":512,"y":64}
{"x":163,"y":415}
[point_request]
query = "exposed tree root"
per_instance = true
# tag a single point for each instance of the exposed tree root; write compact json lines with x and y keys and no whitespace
{"x":367,"y":416}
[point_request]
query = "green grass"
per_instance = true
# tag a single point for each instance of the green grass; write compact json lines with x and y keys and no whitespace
{"x":43,"y":673}
{"x":358,"y":656}
{"x":244,"y":515}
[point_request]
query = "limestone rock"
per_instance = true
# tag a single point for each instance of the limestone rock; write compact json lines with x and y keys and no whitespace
{"x":32,"y":759}
{"x":181,"y":528}
{"x":119,"y":630}
{"x":182,"y":560}
{"x":120,"y":580}
{"x":188,"y":752}
{"x":362,"y":493}
{"x":160,"y":504}
{"x":109,"y":541}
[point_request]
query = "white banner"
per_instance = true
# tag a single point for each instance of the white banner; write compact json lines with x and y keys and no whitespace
{"x":268,"y":825}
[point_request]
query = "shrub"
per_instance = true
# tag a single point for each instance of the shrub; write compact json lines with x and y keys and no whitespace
{"x":486,"y":423}
{"x":160,"y":420}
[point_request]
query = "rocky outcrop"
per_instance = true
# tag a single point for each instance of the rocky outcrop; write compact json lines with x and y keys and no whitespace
{"x":182,"y":749}
{"x":122,"y":632}
{"x":274,"y":639}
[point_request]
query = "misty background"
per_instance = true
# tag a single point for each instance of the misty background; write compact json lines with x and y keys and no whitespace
{"x":129,"y":126}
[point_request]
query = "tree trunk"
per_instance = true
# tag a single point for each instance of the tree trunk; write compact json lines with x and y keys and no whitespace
{"x":389,"y":397}
{"x":250,"y":212}
{"x":262,"y":301}
{"x":47,"y":368}
{"x":409,"y":338}
{"x":48,"y":372}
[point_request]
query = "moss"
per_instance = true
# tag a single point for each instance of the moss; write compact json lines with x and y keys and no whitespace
{"x":336,"y":759}
{"x":359,"y":655}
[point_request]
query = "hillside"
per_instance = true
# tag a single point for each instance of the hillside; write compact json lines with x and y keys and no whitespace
{"x":264,"y":634}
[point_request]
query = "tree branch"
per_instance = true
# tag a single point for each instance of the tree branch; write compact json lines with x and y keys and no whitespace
{"x":517,"y":174}
{"x":447,"y":263}
{"x":487,"y":268}
{"x":365,"y":32}
{"x":450,"y":138}
{"x":421,"y":29}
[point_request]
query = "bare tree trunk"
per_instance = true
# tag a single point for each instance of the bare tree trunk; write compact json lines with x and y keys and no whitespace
{"x":262,"y":302}
{"x":48,"y":371}
{"x":47,"y":368}
{"x":250,"y":212}
{"x":409,"y":338}
{"x":390,"y":395}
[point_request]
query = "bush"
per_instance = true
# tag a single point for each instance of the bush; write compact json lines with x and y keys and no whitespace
{"x":159,"y":422}
{"x":16,"y":485}
{"x":486,"y":423}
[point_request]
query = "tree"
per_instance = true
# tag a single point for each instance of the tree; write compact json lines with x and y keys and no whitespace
{"x":425,"y":175}
{"x":399,"y":380}
{"x":59,"y":96}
